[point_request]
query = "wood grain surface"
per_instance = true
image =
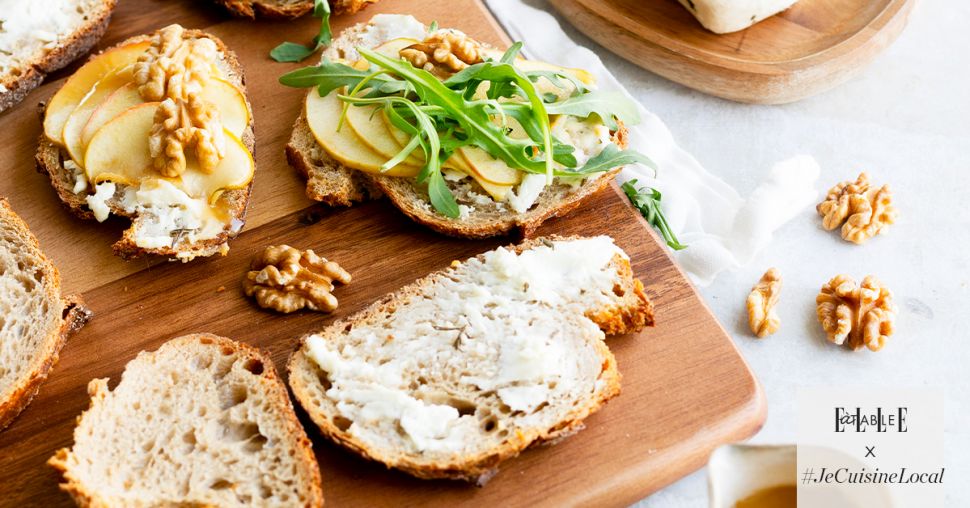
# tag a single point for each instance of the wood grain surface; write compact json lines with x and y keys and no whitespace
{"x":686,"y":389}
{"x":810,"y":48}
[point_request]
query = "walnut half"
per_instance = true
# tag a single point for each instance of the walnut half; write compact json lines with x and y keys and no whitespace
{"x":761,"y":302}
{"x":181,"y":125}
{"x":173,"y":71}
{"x":856,"y":315}
{"x":862,"y":210}
{"x":444,"y":53}
{"x":286,"y":279}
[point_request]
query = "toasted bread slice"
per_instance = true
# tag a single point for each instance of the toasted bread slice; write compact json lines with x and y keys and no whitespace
{"x":288,"y":9}
{"x":38,"y":39}
{"x":202,"y":421}
{"x":469,"y":366}
{"x":53,"y":160}
{"x":332,"y":183}
{"x":35,"y":320}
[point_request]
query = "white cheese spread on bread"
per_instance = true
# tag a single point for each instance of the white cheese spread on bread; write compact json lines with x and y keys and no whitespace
{"x":499,"y":326}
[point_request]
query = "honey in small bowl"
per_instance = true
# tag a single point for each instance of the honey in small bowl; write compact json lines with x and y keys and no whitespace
{"x":779,"y":496}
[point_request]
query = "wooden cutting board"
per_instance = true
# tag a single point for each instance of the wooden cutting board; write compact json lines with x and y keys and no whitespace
{"x":685,"y":387}
{"x":810,"y":48}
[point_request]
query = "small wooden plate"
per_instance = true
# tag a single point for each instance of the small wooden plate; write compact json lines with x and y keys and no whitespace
{"x":810,"y":48}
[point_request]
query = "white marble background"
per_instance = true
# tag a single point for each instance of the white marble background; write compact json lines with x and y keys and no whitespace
{"x":906,"y":120}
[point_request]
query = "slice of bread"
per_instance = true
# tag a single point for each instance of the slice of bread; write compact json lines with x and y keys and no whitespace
{"x":334,"y":184}
{"x":53,"y":160}
{"x":469,"y":366}
{"x":35,"y":319}
{"x":38,"y":38}
{"x":288,"y":9}
{"x":202,"y":421}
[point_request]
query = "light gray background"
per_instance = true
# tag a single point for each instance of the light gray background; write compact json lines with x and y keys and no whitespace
{"x":906,"y":120}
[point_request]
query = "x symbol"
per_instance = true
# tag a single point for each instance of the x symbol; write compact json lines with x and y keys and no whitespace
{"x":870,"y":451}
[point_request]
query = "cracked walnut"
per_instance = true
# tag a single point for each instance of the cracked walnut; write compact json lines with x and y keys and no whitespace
{"x":862,"y":210}
{"x":444,"y":53}
{"x":857,"y":315}
{"x":286,"y":279}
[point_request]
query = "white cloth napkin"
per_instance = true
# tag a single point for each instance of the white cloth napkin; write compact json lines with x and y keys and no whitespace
{"x":722,"y":230}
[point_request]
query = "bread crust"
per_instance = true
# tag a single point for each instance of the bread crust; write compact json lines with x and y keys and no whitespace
{"x":276,"y":9}
{"x":480,"y":468}
{"x":79,"y":43}
{"x":73,"y":316}
{"x":266,"y":8}
{"x":98,"y":390}
{"x":50,"y":158}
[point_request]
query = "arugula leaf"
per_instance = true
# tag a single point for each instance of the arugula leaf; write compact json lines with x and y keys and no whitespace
{"x":612,"y":157}
{"x":321,"y":9}
{"x":606,"y":105}
{"x":647,"y":200}
{"x":330,"y":76}
{"x":441,"y":198}
{"x":292,"y":52}
{"x":472,"y":116}
{"x":556,"y":78}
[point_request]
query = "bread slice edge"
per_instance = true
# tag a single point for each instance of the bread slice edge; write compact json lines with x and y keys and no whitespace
{"x":73,"y":314}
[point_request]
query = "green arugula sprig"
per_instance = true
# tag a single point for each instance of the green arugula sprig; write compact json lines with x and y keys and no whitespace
{"x":293,"y":52}
{"x":647,"y":200}
{"x":442,"y":116}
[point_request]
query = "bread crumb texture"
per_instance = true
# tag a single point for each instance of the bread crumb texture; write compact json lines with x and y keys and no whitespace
{"x":202,"y":421}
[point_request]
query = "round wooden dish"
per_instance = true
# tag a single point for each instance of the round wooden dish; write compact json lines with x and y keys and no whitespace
{"x":810,"y":48}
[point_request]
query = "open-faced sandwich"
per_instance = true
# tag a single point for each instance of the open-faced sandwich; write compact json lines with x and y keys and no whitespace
{"x":159,"y":130}
{"x":466,"y":139}
{"x":467,"y":367}
{"x":37,"y":38}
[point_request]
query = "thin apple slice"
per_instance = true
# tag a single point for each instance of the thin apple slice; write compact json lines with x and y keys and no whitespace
{"x":417,"y":156}
{"x":402,"y":139}
{"x":62,"y":104}
{"x":119,"y":152}
{"x":117,"y":103}
{"x":71,"y":136}
{"x":230,"y":102}
{"x":368,"y":124}
{"x":234,"y":171}
{"x":226,"y":98}
{"x":497,"y":191}
{"x":489,"y":168}
{"x":393,"y":47}
{"x":456,"y":162}
{"x":344,"y":145}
